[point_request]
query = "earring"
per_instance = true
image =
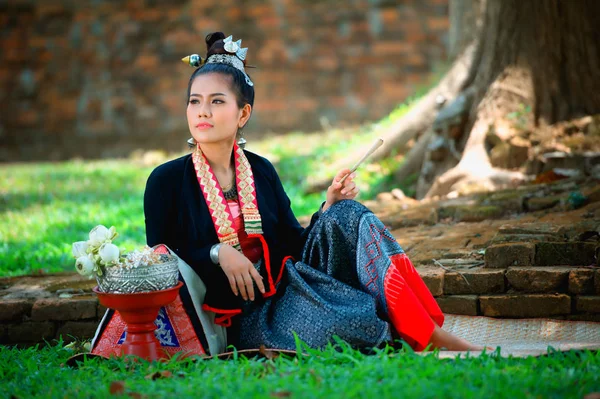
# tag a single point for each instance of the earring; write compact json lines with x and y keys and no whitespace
{"x":241,"y":141}
{"x":191,"y":142}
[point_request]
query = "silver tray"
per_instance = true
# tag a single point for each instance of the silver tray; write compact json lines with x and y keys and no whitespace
{"x":159,"y":276}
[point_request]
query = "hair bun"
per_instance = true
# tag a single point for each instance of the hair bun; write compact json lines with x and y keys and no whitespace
{"x":212,"y":38}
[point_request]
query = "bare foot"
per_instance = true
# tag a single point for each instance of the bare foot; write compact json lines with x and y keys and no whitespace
{"x":443,"y":339}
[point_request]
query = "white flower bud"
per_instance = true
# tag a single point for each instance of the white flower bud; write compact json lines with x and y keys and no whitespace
{"x":98,"y":235}
{"x":109,"y":253}
{"x":112,"y":233}
{"x":79,"y":248}
{"x":84,"y":265}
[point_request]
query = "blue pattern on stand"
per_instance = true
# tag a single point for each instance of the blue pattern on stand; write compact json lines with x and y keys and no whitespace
{"x":164,"y":331}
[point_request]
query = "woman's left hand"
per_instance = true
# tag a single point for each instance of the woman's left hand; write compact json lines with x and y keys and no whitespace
{"x":339,"y":191}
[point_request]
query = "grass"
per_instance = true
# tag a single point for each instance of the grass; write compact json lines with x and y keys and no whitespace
{"x":46,"y":207}
{"x":345,"y":373}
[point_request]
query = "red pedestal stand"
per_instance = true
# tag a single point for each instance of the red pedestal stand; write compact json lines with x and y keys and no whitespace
{"x":139,"y":311}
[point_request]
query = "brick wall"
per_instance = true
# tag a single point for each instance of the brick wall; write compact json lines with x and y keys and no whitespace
{"x":101,"y":78}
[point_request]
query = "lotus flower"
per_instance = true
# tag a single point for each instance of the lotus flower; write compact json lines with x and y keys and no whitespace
{"x":85,"y":265}
{"x":80,"y":248}
{"x":109,"y":253}
{"x":99,"y":235}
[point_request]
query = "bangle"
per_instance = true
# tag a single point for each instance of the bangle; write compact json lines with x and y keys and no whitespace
{"x":214,"y":253}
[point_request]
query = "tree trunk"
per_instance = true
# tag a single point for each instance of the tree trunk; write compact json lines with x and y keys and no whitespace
{"x":542,"y":55}
{"x":465,"y":21}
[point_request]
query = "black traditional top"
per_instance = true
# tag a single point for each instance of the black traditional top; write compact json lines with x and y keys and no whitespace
{"x":177,"y":215}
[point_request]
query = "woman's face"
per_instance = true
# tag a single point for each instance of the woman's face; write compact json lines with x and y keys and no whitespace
{"x":212,"y":112}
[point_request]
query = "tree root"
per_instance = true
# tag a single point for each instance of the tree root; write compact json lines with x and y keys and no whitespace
{"x":474,"y":172}
{"x":414,"y":159}
{"x":464,"y":181}
{"x":416,"y":121}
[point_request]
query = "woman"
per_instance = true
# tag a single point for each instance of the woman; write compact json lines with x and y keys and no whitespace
{"x":224,"y":212}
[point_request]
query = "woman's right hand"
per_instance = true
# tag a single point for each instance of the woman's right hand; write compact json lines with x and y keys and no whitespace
{"x":240,"y":272}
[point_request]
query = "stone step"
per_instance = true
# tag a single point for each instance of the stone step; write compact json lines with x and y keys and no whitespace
{"x":538,"y":279}
{"x":528,"y":305}
{"x":474,"y":282}
{"x":541,"y":254}
{"x":481,"y":291}
{"x":573,"y":280}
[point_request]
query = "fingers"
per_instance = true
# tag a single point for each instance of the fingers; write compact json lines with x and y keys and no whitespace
{"x":258,"y":278}
{"x":249,"y":286}
{"x":342,"y":190}
{"x":232,"y":284}
{"x":241,"y":285}
{"x":348,"y":186}
{"x":351,"y":194}
{"x":240,"y":273}
{"x":340,"y":175}
{"x":244,"y":284}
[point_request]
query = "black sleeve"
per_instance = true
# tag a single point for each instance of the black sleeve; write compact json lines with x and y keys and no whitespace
{"x":159,"y":209}
{"x":292,"y":233}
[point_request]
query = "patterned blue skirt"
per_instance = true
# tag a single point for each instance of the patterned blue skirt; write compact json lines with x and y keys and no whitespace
{"x":335,"y":289}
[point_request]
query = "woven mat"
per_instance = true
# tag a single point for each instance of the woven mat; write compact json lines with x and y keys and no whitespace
{"x":523,"y":337}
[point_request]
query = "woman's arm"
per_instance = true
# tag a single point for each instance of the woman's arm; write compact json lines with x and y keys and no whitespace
{"x":161,"y":214}
{"x":159,"y":209}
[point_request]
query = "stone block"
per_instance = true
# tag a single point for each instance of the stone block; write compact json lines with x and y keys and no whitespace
{"x":540,"y":203}
{"x":510,"y":200}
{"x":14,"y":309}
{"x":459,"y":304}
{"x":479,"y":282}
{"x":581,"y":281}
{"x":535,"y":229}
{"x":433,"y":279}
{"x":478,"y":213}
{"x":564,"y":253}
{"x":72,"y":330}
{"x":587,"y":304}
{"x":585,"y":317}
{"x":533,"y":305}
{"x":64,"y":309}
{"x":538,"y":279}
{"x":471,"y":213}
{"x":30,"y":332}
{"x":101,"y":311}
{"x":512,"y":254}
{"x":597,"y":282}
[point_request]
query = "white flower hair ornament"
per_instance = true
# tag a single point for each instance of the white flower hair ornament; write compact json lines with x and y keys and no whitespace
{"x":235,"y":57}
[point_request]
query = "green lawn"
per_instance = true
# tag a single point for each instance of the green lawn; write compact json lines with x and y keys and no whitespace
{"x":46,"y":207}
{"x":329,"y":374}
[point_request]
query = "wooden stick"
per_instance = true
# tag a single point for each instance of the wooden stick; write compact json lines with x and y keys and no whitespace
{"x":375,"y":146}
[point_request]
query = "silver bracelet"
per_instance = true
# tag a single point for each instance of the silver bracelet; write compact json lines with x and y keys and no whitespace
{"x":214,"y":253}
